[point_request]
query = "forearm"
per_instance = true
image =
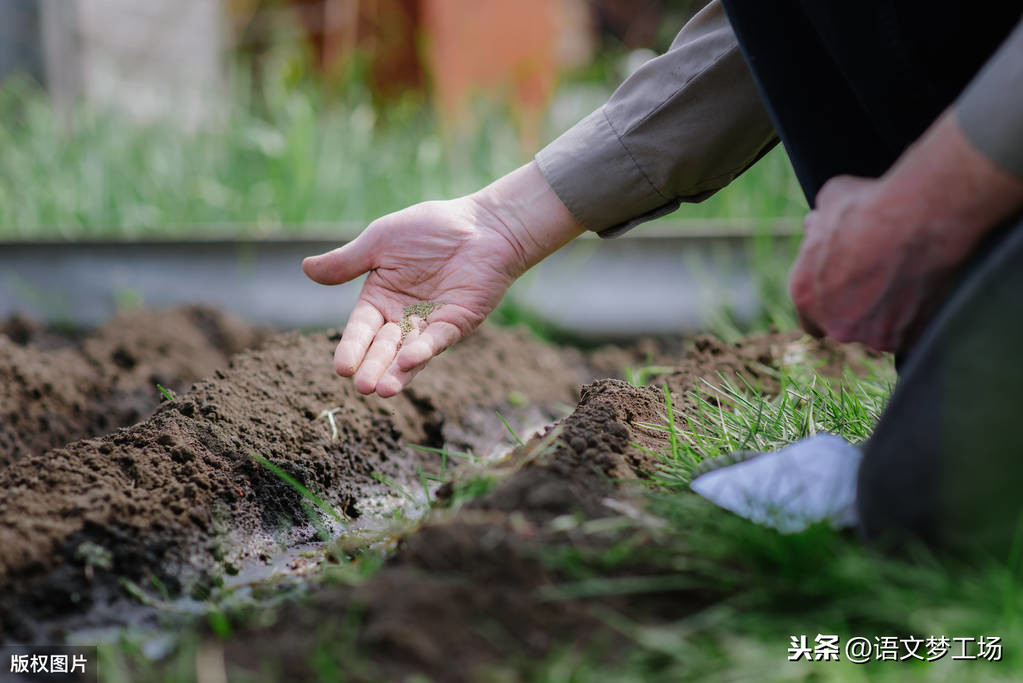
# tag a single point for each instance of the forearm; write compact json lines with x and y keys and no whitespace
{"x":879,"y":253}
{"x":530,"y":214}
{"x":966,"y":172}
{"x":944,"y":177}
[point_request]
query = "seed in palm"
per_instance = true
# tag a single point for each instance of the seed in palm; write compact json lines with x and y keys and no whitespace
{"x":422,"y":310}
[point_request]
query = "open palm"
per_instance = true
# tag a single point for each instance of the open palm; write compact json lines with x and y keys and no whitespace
{"x":453,"y":253}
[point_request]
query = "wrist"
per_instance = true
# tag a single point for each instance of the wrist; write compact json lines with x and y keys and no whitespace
{"x":524,"y":207}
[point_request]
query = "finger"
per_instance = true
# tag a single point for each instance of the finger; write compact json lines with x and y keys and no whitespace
{"x":362,"y":327}
{"x":809,"y":221}
{"x":378,"y":358}
{"x":810,"y":325}
{"x":841,"y":186}
{"x":340,"y":265}
{"x":394,"y":380}
{"x":802,"y":292}
{"x":833,"y":187}
{"x":435,"y":338}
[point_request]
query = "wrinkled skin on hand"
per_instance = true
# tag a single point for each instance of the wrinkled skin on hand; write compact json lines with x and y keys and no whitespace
{"x":454,"y":252}
{"x":879,"y":255}
{"x":865,"y":272}
{"x":451,"y":261}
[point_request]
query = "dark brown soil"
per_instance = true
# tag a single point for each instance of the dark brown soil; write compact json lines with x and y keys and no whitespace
{"x":169,"y":495}
{"x":461,"y":594}
{"x":56,"y":387}
{"x":178,"y":497}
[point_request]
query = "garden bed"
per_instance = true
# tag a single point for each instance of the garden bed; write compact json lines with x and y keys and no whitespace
{"x":183,"y":504}
{"x":58,"y":386}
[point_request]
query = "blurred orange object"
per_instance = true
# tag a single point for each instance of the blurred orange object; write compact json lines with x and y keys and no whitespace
{"x":480,"y":47}
{"x":458,"y":49}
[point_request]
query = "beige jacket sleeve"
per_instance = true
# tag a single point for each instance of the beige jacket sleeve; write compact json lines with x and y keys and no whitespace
{"x":679,"y":129}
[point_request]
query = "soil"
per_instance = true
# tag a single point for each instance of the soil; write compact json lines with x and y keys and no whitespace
{"x":167,"y":496}
{"x":57,"y":387}
{"x":468,"y":582}
{"x":179,"y":498}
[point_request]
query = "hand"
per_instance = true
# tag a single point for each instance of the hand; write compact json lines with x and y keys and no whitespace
{"x":879,"y":254}
{"x":437,"y":251}
{"x":864,"y":271}
{"x":462,"y":253}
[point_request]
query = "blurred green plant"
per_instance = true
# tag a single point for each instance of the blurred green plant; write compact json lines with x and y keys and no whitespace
{"x":302,"y":156}
{"x":293,"y":155}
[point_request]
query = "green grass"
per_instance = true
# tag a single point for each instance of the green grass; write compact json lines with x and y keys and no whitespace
{"x":640,"y":376}
{"x":511,"y":431}
{"x":760,"y":587}
{"x":446,"y":455}
{"x":166,"y":393}
{"x":307,"y":495}
{"x":730,"y":418}
{"x":304,"y":160}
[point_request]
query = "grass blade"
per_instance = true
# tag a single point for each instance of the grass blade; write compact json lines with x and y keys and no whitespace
{"x":298,"y":486}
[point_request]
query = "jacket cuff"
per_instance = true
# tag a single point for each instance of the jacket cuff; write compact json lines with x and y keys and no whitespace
{"x":598,"y":180}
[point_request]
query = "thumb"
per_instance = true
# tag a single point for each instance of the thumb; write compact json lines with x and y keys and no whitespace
{"x":340,"y":265}
{"x":810,"y":325}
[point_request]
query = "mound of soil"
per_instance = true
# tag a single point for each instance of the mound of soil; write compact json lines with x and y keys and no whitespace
{"x":56,"y":387}
{"x":461,"y":594}
{"x":179,"y":496}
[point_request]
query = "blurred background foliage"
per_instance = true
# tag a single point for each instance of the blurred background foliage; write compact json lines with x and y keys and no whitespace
{"x":305,"y":117}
